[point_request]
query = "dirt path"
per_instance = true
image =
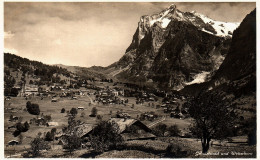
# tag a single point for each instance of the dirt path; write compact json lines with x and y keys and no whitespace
{"x":156,"y":122}
{"x":91,"y":100}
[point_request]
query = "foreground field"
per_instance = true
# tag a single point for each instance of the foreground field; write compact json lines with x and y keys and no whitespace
{"x":187,"y":147}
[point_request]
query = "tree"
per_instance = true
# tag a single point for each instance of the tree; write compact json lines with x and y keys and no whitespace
{"x":73,"y":142}
{"x":213,"y":116}
{"x":73,"y":139}
{"x":48,"y":136}
{"x":33,"y":108}
{"x":73,"y":111}
{"x":20,"y":127}
{"x":30,"y":82}
{"x":14,"y":92}
{"x":174,"y":130}
{"x":177,"y":110}
{"x":20,"y":139}
{"x":26,"y":126}
{"x":11,"y":117}
{"x":82,"y":114}
{"x":160,"y":129}
{"x":38,"y":144}
{"x":62,"y":110}
{"x":105,"y":135}
{"x":93,"y":112}
{"x":53,"y":130}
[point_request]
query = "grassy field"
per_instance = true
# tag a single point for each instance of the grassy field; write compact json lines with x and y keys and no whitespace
{"x":16,"y":107}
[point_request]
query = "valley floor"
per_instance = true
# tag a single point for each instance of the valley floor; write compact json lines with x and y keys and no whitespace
{"x":183,"y":147}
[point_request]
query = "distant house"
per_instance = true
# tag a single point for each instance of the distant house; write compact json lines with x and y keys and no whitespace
{"x":115,"y":93}
{"x":29,"y":90}
{"x":52,"y":123}
{"x":54,"y":100}
{"x":80,"y":108}
{"x":132,"y":129}
{"x":85,"y":130}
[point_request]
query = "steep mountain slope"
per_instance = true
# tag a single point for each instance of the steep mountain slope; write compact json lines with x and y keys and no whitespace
{"x":91,"y":72}
{"x":239,"y":67}
{"x":173,"y":48}
{"x":237,"y":73}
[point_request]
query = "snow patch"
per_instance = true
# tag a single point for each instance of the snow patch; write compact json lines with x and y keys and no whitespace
{"x":222,"y":28}
{"x":199,"y":78}
{"x":165,"y":22}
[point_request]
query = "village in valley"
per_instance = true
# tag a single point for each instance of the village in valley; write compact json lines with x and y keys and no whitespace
{"x":89,"y":102}
{"x":147,"y":119}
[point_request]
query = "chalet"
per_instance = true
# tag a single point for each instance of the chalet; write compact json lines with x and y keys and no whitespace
{"x":83,"y":131}
{"x":132,"y":129}
{"x":80,"y":108}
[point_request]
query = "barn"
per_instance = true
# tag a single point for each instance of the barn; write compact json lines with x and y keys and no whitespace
{"x":132,"y":129}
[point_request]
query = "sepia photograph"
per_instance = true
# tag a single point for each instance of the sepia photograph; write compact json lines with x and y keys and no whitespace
{"x":129,"y":80}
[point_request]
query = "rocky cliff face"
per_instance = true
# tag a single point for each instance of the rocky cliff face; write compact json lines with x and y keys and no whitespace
{"x":239,"y":67}
{"x":174,"y":49}
{"x":237,"y":73}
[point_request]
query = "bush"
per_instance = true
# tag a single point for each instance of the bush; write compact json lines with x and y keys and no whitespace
{"x":33,"y":108}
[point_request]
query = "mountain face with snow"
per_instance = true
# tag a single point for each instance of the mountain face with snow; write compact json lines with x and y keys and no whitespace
{"x":238,"y":70}
{"x":174,"y":49}
{"x":237,"y":74}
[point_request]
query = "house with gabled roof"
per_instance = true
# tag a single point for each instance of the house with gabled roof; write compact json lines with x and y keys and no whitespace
{"x":132,"y":129}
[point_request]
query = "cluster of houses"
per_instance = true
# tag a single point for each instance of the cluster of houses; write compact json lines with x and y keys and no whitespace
{"x":143,"y":96}
{"x":110,"y":96}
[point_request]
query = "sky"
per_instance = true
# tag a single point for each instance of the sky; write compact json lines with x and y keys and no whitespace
{"x":90,"y":33}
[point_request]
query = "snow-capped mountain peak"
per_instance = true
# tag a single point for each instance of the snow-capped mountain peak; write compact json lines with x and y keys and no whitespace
{"x":202,"y":22}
